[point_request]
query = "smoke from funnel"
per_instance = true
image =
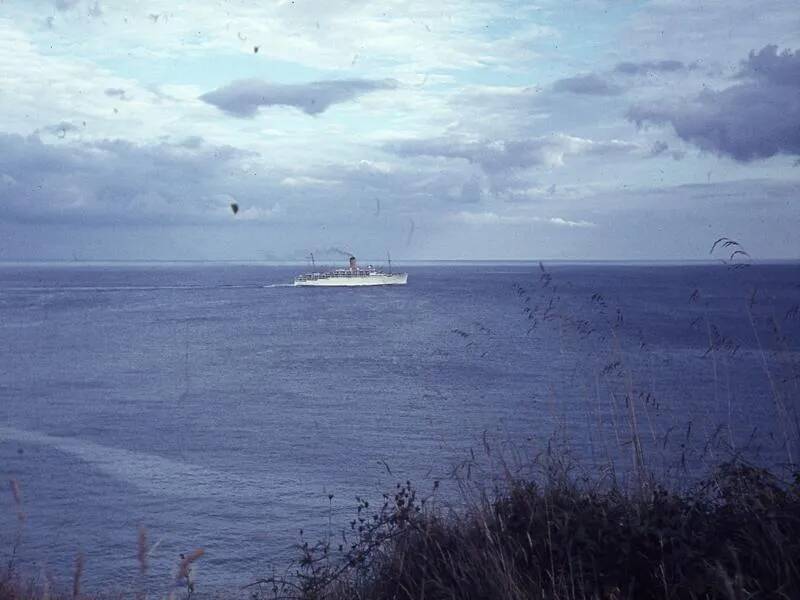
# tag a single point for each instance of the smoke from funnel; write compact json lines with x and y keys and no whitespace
{"x":338,"y":251}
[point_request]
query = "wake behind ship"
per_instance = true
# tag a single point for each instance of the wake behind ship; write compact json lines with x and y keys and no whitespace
{"x":352,"y":276}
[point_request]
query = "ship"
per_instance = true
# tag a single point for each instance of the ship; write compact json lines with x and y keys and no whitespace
{"x":352,"y":276}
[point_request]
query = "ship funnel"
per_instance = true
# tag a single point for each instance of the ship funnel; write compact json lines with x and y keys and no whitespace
{"x":353,"y":263}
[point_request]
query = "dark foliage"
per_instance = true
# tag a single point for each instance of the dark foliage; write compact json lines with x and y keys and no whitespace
{"x":737,"y":535}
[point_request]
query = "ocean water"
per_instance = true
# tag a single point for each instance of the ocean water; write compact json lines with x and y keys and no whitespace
{"x":219,"y":408}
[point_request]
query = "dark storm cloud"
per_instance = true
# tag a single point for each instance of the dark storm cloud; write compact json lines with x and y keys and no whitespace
{"x":757,"y":118}
{"x":650,"y":66}
{"x":243,"y":98}
{"x":591,"y":84}
{"x":768,"y":65}
{"x":503,"y":155}
{"x":114,"y":181}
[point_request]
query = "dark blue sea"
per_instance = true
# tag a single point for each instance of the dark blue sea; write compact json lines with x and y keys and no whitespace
{"x":219,"y":408}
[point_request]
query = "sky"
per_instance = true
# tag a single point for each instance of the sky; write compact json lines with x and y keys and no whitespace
{"x":456,"y":129}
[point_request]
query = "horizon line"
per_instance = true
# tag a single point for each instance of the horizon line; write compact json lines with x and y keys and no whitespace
{"x":293,"y":262}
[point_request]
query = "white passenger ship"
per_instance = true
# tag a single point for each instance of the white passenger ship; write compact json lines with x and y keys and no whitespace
{"x":353,"y":276}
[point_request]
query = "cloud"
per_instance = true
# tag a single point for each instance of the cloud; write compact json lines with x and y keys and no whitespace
{"x":661,"y":147}
{"x":591,"y":84}
{"x":192,"y":182}
{"x":303,"y":181}
{"x":244,"y":97}
{"x":325,"y":34}
{"x":471,"y":191}
{"x":60,"y":129}
{"x":467,"y":134}
{"x":757,"y":118}
{"x":496,"y":156}
{"x":492,"y":218}
{"x":93,"y":9}
{"x":65,"y":4}
{"x":114,"y":181}
{"x":769,"y":66}
{"x":413,"y":186}
{"x":567,"y":223}
{"x":650,"y":66}
{"x":718,"y":31}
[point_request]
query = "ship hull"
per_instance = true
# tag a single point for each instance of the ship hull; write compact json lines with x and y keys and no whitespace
{"x":376,"y":279}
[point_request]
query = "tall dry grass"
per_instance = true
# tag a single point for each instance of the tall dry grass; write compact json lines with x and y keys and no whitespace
{"x":735,"y":535}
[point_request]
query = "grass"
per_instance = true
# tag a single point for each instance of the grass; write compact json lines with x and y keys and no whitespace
{"x":735,"y":535}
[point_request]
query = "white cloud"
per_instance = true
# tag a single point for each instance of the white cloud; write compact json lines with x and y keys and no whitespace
{"x":492,"y":218}
{"x":500,"y":155}
{"x":305,"y":181}
{"x":329,"y":34}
